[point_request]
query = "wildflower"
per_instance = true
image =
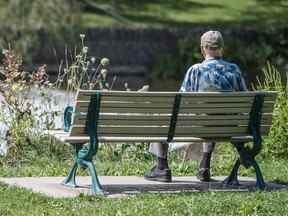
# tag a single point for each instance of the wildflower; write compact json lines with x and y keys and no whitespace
{"x":105,"y":62}
{"x":91,"y":86}
{"x":82,"y":36}
{"x":93,"y":60}
{"x":85,"y":49}
{"x":74,"y":67}
{"x":69,"y":81}
{"x":5,"y":51}
{"x":104,"y":73}
{"x":84,"y":69}
{"x":15,"y":87}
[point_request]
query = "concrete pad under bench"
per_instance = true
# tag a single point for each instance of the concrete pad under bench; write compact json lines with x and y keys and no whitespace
{"x":121,"y":186}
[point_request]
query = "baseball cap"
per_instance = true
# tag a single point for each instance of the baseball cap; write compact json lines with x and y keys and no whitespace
{"x":212,"y":39}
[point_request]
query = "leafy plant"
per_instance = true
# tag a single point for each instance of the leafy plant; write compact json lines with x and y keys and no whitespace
{"x":18,"y":111}
{"x":277,"y":142}
{"x":83,"y":72}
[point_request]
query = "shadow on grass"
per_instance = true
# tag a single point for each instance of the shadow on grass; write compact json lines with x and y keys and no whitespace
{"x":256,"y":17}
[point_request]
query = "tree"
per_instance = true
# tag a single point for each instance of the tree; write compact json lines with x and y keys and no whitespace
{"x":23,"y":22}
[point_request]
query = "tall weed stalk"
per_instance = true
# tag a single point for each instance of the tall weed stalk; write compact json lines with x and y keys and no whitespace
{"x":276,"y":144}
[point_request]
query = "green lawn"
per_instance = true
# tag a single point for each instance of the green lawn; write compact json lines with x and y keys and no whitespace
{"x":177,"y":13}
{"x":54,"y":160}
{"x":21,"y":202}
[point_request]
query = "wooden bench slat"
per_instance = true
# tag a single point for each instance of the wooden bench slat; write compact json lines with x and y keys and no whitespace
{"x":179,"y":123}
{"x":162,"y":94}
{"x":65,"y":137}
{"x":169,"y":96}
{"x":170,"y":99}
{"x":168,"y":110}
{"x":83,"y":105}
{"x":156,"y":131}
{"x":181,"y":116}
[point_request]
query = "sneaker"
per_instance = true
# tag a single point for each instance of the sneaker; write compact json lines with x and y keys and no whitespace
{"x":158,"y":175}
{"x":204,"y":174}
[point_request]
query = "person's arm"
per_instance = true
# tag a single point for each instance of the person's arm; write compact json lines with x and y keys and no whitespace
{"x":188,"y":83}
{"x":240,"y":82}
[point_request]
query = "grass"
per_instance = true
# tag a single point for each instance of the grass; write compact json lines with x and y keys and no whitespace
{"x":15,"y":201}
{"x":134,"y":161}
{"x":187,"y":13}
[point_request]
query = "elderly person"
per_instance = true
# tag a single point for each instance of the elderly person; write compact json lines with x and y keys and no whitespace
{"x":213,"y":74}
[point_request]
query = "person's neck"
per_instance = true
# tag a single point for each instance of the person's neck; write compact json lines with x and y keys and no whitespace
{"x":208,"y":57}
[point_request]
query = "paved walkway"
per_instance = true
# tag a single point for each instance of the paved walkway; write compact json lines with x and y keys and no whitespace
{"x":121,"y":186}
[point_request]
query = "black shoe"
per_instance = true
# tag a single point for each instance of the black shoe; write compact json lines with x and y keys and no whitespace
{"x":158,"y":175}
{"x":204,"y":174}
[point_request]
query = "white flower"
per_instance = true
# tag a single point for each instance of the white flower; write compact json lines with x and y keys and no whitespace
{"x":105,"y":62}
{"x":70,"y":81}
{"x":85,"y":49}
{"x":104,"y":73}
{"x":82,"y":36}
{"x":4,"y":51}
{"x":93,"y":60}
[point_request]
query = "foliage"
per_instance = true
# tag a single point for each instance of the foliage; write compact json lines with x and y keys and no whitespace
{"x":277,"y":142}
{"x":82,"y":72}
{"x":19,"y":112}
{"x":249,"y":56}
{"x":26,"y":23}
{"x":258,"y":14}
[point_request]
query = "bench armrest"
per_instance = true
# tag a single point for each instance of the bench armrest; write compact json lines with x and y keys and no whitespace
{"x":67,"y":118}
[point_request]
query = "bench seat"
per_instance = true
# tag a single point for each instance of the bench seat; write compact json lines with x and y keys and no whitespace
{"x":65,"y":137}
{"x":117,"y":116}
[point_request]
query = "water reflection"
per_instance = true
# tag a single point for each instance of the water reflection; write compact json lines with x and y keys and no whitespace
{"x":59,"y":99}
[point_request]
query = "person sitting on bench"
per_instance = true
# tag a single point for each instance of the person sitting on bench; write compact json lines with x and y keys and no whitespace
{"x":213,"y":74}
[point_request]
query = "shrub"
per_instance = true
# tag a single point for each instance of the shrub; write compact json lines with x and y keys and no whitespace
{"x":277,"y":142}
{"x":18,"y":112}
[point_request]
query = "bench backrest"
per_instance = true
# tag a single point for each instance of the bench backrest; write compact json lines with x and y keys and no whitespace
{"x":172,"y":114}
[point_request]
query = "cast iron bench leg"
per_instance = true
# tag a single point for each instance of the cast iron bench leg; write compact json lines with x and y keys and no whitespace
{"x":96,"y":186}
{"x":70,"y":179}
{"x":260,"y":183}
{"x":247,"y":159}
{"x":232,"y":179}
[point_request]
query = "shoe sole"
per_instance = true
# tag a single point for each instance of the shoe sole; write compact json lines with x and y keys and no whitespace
{"x":158,"y":179}
{"x":203,"y":179}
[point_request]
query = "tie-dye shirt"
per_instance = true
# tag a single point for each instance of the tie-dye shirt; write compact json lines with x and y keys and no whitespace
{"x":213,"y":74}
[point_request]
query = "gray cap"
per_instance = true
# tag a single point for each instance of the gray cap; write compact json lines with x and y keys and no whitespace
{"x":212,"y":39}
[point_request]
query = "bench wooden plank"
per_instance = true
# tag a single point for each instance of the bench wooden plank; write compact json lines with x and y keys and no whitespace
{"x":103,"y":130}
{"x":185,"y":94}
{"x":65,"y":137}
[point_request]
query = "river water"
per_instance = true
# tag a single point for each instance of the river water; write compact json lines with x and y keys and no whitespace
{"x":59,"y":100}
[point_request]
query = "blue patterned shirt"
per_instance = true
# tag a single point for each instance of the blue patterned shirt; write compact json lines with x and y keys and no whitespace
{"x":213,"y":74}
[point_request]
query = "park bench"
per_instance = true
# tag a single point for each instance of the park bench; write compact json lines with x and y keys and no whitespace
{"x":119,"y":116}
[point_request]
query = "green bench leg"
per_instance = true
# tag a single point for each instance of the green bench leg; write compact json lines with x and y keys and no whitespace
{"x":70,"y":179}
{"x":96,"y":186}
{"x":260,"y":183}
{"x":247,"y":159}
{"x":232,"y":179}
